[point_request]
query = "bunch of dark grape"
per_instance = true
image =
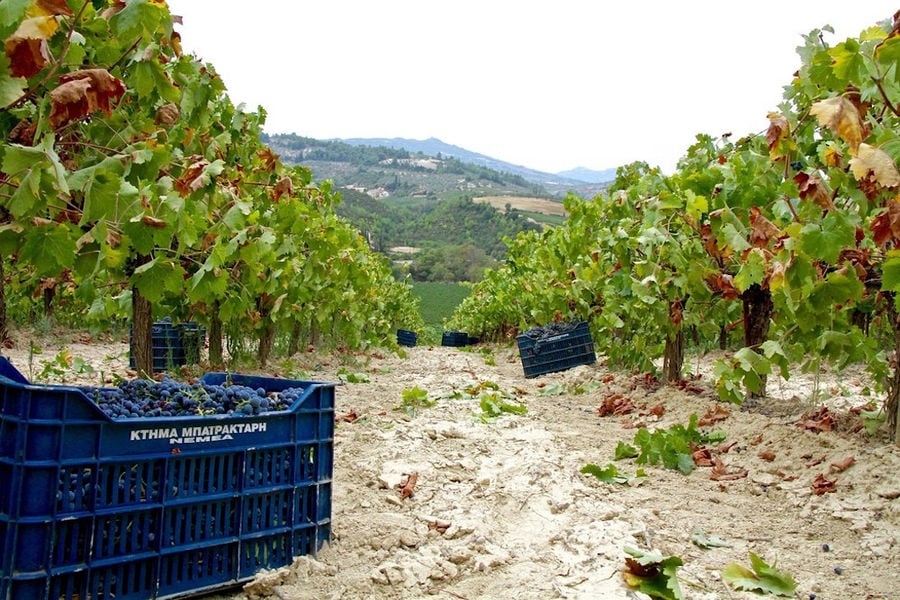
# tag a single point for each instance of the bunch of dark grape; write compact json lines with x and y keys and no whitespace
{"x":136,"y":398}
{"x":549,"y":330}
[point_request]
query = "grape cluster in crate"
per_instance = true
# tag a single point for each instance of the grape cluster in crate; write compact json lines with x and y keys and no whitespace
{"x":137,"y":398}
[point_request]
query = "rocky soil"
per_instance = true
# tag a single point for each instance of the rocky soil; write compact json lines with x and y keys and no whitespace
{"x":501,"y":509}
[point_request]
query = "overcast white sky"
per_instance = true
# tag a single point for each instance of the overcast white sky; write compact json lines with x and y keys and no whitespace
{"x":549,"y":85}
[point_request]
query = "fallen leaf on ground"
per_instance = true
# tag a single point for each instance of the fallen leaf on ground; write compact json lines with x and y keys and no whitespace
{"x":818,"y":421}
{"x":720,"y":472}
{"x":821,"y":485}
{"x":816,"y":461}
{"x":714,"y":415}
{"x":617,"y":405}
{"x":349,"y":417}
{"x":724,"y":448}
{"x":839,"y":466}
{"x":767,"y":455}
{"x":702,"y":457}
{"x":407,"y":488}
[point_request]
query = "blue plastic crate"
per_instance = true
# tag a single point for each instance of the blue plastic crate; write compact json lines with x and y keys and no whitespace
{"x":156,"y":508}
{"x":406,"y":337}
{"x":548,"y":354}
{"x":173,"y":345}
{"x":455,"y":338}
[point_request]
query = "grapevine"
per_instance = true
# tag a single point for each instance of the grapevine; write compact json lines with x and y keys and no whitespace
{"x":781,"y":246}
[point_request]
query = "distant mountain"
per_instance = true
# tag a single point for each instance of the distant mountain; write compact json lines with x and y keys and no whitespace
{"x":589,"y":175}
{"x":435,"y":147}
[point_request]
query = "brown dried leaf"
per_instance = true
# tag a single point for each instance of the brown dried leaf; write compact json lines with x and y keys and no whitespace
{"x":839,"y":466}
{"x":720,"y":472}
{"x":284,"y":187}
{"x":812,"y":188}
{"x":80,"y":93}
{"x":702,"y":457}
{"x":886,"y":226}
{"x":407,"y":488}
{"x":724,"y":448}
{"x":714,"y":415}
{"x":191,"y":180}
{"x":616,"y":405}
{"x":777,"y":136}
{"x":167,"y":114}
{"x":818,"y":421}
{"x":767,"y":455}
{"x":150,"y":221}
{"x":348,"y":417}
{"x":269,"y":158}
{"x":762,"y":230}
{"x":821,"y":485}
{"x":814,"y":461}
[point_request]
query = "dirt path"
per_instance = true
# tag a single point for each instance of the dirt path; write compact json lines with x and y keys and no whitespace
{"x":501,"y":510}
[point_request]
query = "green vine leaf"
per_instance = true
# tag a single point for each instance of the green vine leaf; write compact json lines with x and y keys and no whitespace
{"x":762,"y":578}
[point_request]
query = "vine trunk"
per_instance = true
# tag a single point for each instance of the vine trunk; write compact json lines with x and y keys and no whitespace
{"x":758,"y":309}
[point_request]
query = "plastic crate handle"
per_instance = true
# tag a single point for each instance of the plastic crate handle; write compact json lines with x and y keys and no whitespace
{"x":10,"y":372}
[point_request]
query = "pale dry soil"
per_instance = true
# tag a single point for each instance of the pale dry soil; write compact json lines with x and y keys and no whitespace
{"x":501,"y":510}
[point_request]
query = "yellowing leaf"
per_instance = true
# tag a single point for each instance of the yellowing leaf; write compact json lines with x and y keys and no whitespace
{"x":27,"y":47}
{"x":876,"y":161}
{"x":842,"y":117}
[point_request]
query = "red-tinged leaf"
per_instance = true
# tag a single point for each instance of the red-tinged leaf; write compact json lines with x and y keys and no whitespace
{"x":268,"y":158}
{"x":762,"y":230}
{"x":54,"y":8}
{"x":778,"y":136}
{"x":191,"y":180}
{"x":839,"y":466}
{"x":813,"y":189}
{"x":27,"y":48}
{"x":81,"y":93}
{"x":885,"y":226}
{"x":821,"y":485}
{"x":27,"y":56}
{"x":676,"y":312}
